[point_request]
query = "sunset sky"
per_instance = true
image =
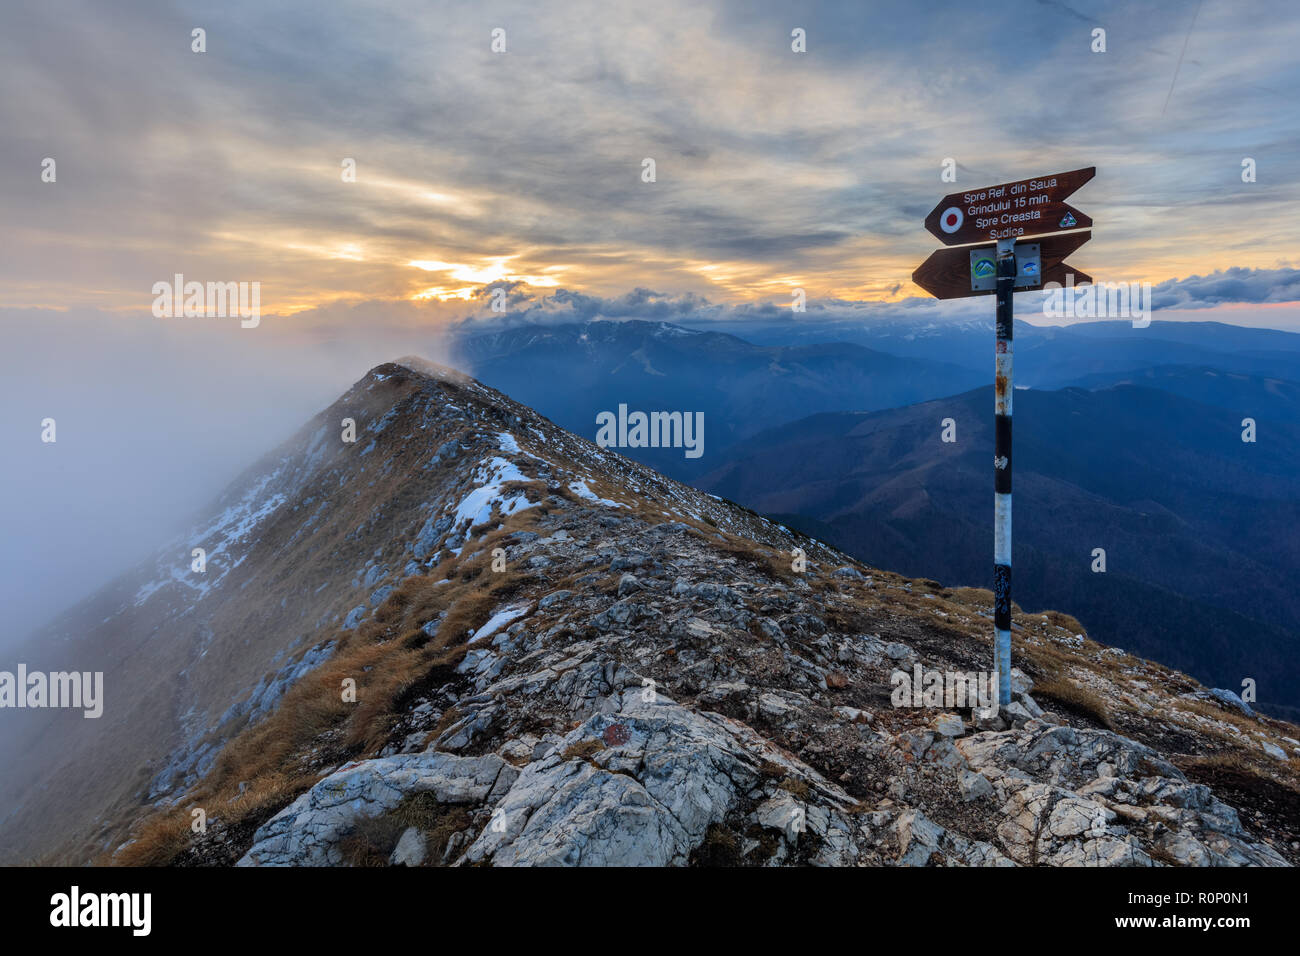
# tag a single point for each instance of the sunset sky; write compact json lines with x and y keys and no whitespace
{"x":775,"y":169}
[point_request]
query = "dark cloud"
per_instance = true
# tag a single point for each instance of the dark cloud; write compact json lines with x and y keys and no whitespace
{"x":791,"y":163}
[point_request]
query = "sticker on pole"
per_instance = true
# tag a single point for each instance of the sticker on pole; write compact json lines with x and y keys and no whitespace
{"x":984,"y":267}
{"x":972,"y":270}
{"x":951,"y":219}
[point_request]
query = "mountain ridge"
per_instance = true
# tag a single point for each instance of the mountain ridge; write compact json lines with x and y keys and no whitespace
{"x":564,"y":657}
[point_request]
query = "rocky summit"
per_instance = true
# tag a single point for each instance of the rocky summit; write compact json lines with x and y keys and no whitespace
{"x":502,"y":645}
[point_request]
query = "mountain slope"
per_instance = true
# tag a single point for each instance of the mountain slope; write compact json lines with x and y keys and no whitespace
{"x":1254,"y":396}
{"x":309,"y":540}
{"x":471,"y":637}
{"x":1202,"y":568}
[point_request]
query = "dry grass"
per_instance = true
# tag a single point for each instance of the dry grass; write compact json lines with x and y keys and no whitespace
{"x":1064,"y":621}
{"x":1230,"y":760}
{"x":767,"y":561}
{"x":1075,"y":698}
{"x":314,"y":729}
{"x":161,"y":842}
{"x":583,"y":750}
{"x":373,"y":839}
{"x":1216,"y":713}
{"x":799,"y":788}
{"x":720,"y":848}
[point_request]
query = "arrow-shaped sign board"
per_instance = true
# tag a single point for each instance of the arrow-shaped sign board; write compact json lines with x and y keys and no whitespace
{"x":958,"y":273}
{"x":1027,"y":207}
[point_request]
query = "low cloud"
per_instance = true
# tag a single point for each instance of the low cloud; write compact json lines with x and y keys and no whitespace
{"x":1233,"y":286}
{"x":1227,"y":287}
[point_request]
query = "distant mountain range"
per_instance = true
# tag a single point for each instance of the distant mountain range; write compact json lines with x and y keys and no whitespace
{"x":1052,"y":356}
{"x":1253,"y":396}
{"x":1198,"y":527}
{"x":571,"y":373}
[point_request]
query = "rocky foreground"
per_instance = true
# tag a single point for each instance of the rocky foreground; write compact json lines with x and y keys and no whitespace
{"x":591,"y":665}
{"x":742,"y":752}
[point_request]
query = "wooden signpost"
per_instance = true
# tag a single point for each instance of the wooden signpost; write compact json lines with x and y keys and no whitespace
{"x":1028,"y":207}
{"x":952,"y":274}
{"x":1006,"y":214}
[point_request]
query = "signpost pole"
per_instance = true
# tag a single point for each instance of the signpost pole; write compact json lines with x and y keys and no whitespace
{"x":970,"y":222}
{"x":1002,"y":393}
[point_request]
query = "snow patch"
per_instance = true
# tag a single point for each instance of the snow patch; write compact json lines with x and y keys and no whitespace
{"x":500,"y":619}
{"x":579,"y":488}
{"x":477,"y":506}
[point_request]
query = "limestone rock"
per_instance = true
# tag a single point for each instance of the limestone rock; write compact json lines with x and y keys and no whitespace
{"x":411,"y":849}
